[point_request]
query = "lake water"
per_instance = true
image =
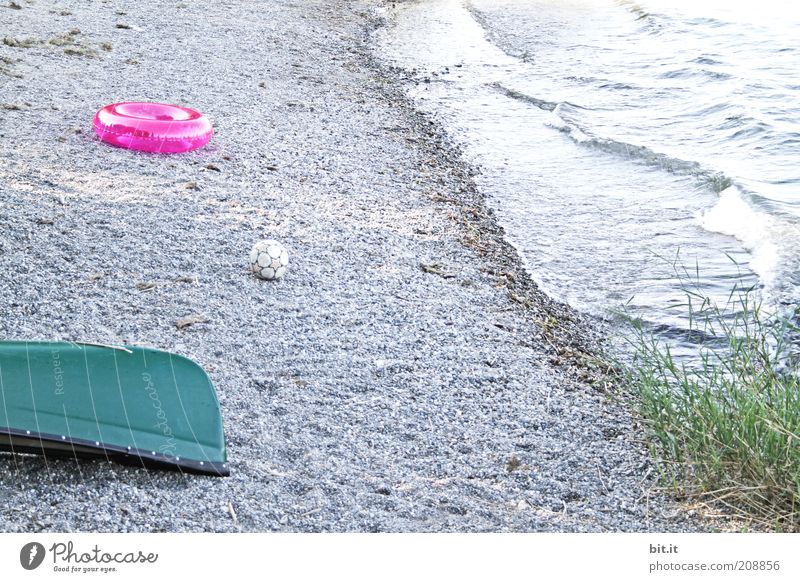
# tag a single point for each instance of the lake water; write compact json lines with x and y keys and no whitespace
{"x":613,"y":137}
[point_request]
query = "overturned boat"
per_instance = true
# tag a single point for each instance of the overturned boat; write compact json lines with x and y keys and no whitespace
{"x":128,"y":404}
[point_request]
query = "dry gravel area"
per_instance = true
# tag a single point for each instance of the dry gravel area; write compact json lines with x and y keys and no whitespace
{"x":404,"y":376}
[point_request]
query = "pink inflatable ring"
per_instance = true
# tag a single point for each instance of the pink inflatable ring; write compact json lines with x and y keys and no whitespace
{"x":153,"y":127}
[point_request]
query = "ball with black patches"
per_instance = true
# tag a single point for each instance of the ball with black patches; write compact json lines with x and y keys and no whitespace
{"x":269,"y":260}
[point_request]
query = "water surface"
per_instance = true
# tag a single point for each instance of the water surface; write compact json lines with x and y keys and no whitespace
{"x":618,"y":140}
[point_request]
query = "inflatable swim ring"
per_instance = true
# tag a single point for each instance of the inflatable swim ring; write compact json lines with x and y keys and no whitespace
{"x":152,"y":127}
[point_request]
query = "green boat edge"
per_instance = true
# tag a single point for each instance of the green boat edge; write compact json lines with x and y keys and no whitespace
{"x":50,"y":445}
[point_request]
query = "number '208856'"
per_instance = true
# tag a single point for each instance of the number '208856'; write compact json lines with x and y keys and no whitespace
{"x":758,"y":565}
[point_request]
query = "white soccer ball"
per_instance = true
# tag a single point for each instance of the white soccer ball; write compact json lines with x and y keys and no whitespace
{"x":269,"y":260}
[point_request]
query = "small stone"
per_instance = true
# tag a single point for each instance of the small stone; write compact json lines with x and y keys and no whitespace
{"x":190,"y":320}
{"x":186,"y":279}
{"x":513,"y":464}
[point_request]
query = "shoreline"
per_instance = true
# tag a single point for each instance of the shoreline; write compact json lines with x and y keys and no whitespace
{"x":386,"y":384}
{"x":575,"y":338}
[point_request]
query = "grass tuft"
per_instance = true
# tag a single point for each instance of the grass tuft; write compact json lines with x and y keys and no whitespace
{"x":726,"y":426}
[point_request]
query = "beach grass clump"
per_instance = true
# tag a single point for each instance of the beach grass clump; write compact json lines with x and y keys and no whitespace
{"x":726,"y":425}
{"x":21,"y":43}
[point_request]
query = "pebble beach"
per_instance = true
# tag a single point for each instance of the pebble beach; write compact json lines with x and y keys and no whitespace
{"x":405,"y":375}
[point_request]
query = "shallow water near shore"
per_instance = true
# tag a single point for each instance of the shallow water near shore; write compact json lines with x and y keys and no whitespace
{"x":619,"y":140}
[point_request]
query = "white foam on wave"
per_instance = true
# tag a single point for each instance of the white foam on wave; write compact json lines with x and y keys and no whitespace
{"x":733,"y":216}
{"x":556,"y":121}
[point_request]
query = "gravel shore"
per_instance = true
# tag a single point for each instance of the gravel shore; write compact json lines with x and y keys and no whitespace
{"x":406,"y":375}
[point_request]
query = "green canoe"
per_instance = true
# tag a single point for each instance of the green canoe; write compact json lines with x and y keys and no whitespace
{"x":128,"y":404}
